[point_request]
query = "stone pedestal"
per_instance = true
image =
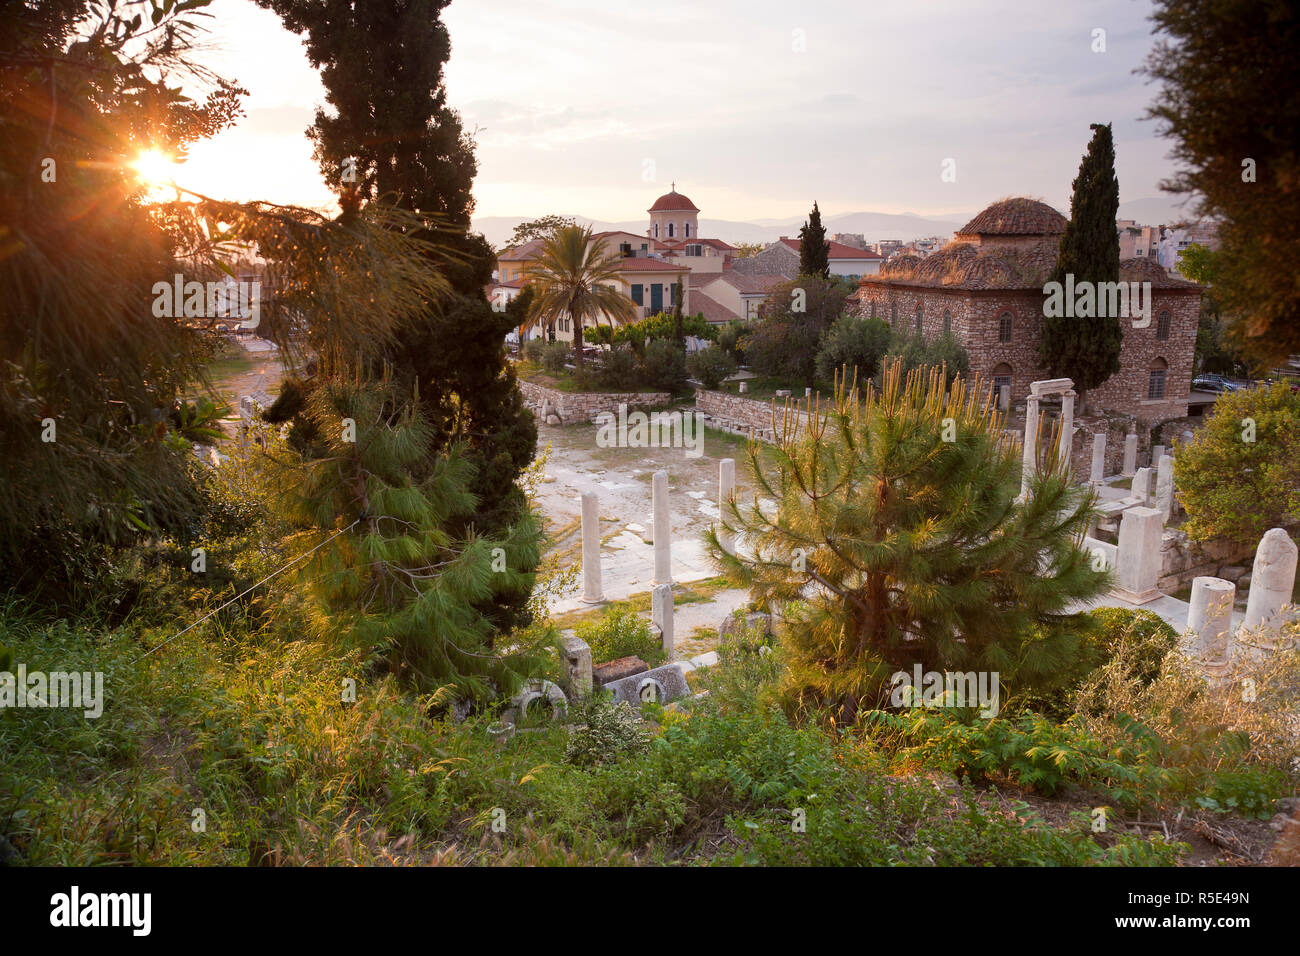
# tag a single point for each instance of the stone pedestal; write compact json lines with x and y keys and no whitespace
{"x":1209,"y":616}
{"x":1130,"y":455}
{"x":577,"y":655}
{"x":1098,"y":474}
{"x":662,"y":530}
{"x":592,"y":590}
{"x":1272,"y":579}
{"x":1142,"y":486}
{"x":661,"y":614}
{"x":1137,"y":565}
{"x":726,"y":488}
{"x":1004,"y":397}
{"x":1165,"y":487}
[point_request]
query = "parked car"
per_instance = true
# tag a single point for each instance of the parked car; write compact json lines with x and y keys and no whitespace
{"x":1215,"y":383}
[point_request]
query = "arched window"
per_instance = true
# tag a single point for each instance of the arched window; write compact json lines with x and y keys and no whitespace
{"x":918,"y":318}
{"x":893,"y":313}
{"x":1004,"y":327}
{"x":687,"y":228}
{"x":947,"y":322}
{"x":1162,"y":324}
{"x":672,"y":229}
{"x":1156,"y":379}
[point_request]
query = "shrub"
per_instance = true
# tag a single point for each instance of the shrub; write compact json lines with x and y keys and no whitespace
{"x":555,"y":356}
{"x":916,"y":351}
{"x":610,"y":731}
{"x":533,"y":349}
{"x":665,"y":366}
{"x":711,"y":365}
{"x":853,"y":342}
{"x":620,"y":633}
{"x":618,"y":368}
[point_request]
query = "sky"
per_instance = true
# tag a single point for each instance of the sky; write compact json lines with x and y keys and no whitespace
{"x":755,"y":109}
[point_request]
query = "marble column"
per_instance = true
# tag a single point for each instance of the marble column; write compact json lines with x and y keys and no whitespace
{"x":726,"y":488}
{"x":1098,"y":474}
{"x":1030,"y":456}
{"x":592,"y":591}
{"x":1004,"y":397}
{"x":1209,"y":615}
{"x":662,"y":530}
{"x":1130,"y":455}
{"x":1156,"y":452}
{"x":1272,"y":579}
{"x":1142,"y":486}
{"x":1066,"y":440}
{"x":661,"y":614}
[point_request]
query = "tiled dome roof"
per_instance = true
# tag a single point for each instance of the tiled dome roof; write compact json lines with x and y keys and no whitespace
{"x":673,"y":202}
{"x":1017,"y":216}
{"x":899,"y":267}
{"x":1149,"y":270}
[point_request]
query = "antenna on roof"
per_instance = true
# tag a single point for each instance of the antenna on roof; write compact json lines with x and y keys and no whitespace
{"x":674,"y":185}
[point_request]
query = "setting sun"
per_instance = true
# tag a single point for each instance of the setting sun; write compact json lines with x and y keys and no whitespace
{"x":155,"y":168}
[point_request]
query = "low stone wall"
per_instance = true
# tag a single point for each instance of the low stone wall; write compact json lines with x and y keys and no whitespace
{"x":570,"y":407}
{"x":740,"y":415}
{"x":1181,"y":560}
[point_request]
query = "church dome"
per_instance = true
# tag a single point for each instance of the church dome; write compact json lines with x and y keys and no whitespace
{"x":673,"y":202}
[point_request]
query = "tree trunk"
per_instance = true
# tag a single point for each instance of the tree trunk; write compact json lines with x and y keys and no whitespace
{"x":577,"y":344}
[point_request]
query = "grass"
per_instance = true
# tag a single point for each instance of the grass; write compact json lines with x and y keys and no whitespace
{"x":697,"y":592}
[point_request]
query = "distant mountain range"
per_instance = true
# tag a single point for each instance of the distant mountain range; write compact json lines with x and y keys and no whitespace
{"x":873,"y":225}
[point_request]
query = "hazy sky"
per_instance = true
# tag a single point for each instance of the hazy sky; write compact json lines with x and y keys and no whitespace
{"x":754,"y":108}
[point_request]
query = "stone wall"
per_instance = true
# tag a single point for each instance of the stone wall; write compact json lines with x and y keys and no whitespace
{"x":572,"y":407}
{"x":1181,"y":560}
{"x":740,"y":415}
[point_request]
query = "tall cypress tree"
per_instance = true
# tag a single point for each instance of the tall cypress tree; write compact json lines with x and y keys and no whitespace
{"x":1087,"y":349}
{"x":814,"y":250}
{"x":393,"y":135}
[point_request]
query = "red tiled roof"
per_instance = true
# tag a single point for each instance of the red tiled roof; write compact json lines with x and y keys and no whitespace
{"x":673,"y":201}
{"x":838,"y":250}
{"x":751,"y":284}
{"x":529,"y":250}
{"x":646,"y":264}
{"x":712,"y":310}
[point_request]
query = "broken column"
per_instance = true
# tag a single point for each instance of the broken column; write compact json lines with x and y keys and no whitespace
{"x":661,"y":614}
{"x":1130,"y":455}
{"x":1098,"y":474}
{"x":1030,"y":457}
{"x":592,"y":591}
{"x":1067,"y":426}
{"x":1209,"y":616}
{"x":1137,"y":566}
{"x":1165,"y":487}
{"x":662,"y":530}
{"x":1156,"y":452}
{"x":1004,"y":397}
{"x":726,"y":488}
{"x":1142,"y":486}
{"x":577,"y":655}
{"x":1272,"y":579}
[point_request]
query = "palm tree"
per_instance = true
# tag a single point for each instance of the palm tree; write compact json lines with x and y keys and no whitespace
{"x":573,"y":277}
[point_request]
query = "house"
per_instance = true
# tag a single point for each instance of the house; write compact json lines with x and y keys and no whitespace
{"x":1138,"y":242}
{"x":1175,"y":242}
{"x":845,"y":260}
{"x":986,"y":288}
{"x":740,"y":294}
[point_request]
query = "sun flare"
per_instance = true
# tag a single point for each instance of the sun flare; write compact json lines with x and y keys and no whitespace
{"x":154,"y":168}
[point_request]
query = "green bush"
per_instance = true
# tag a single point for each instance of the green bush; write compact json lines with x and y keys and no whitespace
{"x":710,"y":365}
{"x":665,"y":366}
{"x":620,"y":633}
{"x":555,"y":356}
{"x":618,"y":369}
{"x":853,"y":342}
{"x":533,"y":349}
{"x":609,"y":732}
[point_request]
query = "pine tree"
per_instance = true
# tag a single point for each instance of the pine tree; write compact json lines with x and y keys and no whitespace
{"x":679,"y":337}
{"x":1087,"y":349}
{"x":399,"y":582}
{"x":814,"y":250}
{"x":898,"y":538}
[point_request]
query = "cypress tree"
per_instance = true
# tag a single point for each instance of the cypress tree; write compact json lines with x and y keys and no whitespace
{"x":1087,"y":349}
{"x":814,"y":250}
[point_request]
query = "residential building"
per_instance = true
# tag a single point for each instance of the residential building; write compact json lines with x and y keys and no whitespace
{"x":1138,"y":242}
{"x":1175,"y":241}
{"x":844,"y":260}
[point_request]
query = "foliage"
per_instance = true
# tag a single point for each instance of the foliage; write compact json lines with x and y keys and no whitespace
{"x":573,"y":277}
{"x":664,"y":366}
{"x":1087,"y":350}
{"x":814,"y":250}
{"x":538,"y":228}
{"x":621,"y":633}
{"x":853,"y":343}
{"x":394,"y":574}
{"x":915,"y":352}
{"x":1239,"y":488}
{"x":710,"y":365}
{"x":747,"y":250}
{"x":608,"y":732}
{"x":1219,"y":348}
{"x":787,"y":335}
{"x":1234,"y":133}
{"x":730,"y":339}
{"x":889,"y":546}
{"x":653,"y":328}
{"x":554,"y":356}
{"x":534,"y":349}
